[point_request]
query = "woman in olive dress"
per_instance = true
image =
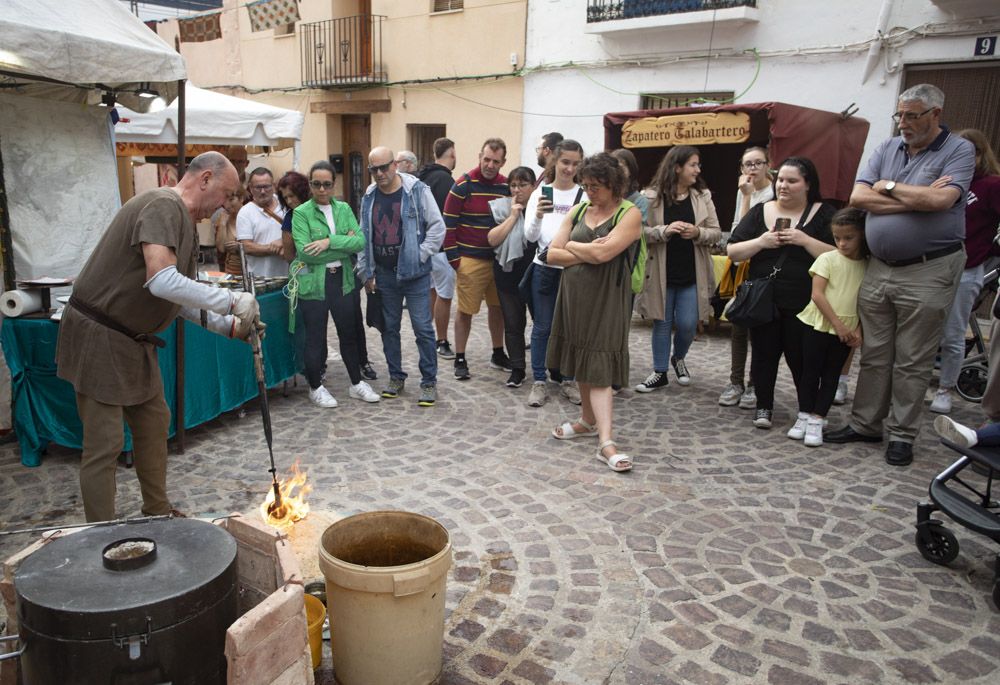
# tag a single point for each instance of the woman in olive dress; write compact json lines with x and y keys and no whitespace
{"x":597,"y":246}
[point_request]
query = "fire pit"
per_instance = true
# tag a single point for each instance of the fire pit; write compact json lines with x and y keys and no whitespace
{"x":129,"y":603}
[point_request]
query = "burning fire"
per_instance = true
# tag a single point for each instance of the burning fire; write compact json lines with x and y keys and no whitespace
{"x":293,"y":506}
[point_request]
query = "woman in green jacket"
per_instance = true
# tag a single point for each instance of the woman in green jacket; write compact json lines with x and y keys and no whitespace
{"x":326,"y":237}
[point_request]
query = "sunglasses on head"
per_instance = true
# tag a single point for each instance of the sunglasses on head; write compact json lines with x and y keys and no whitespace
{"x":380,"y":168}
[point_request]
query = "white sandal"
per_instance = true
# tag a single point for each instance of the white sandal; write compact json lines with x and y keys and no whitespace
{"x":568,"y":433}
{"x":616,"y":462}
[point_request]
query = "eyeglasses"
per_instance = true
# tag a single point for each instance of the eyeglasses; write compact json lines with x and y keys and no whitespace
{"x":518,"y":186}
{"x":380,"y":168}
{"x":591,"y":187}
{"x":262,"y":188}
{"x":325,"y":185}
{"x":910,"y":117}
{"x":753,"y":165}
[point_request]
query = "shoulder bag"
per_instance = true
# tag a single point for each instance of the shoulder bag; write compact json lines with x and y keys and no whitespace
{"x":753,"y":303}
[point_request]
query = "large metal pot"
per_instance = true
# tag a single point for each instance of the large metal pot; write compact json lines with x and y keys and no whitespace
{"x":128,"y":604}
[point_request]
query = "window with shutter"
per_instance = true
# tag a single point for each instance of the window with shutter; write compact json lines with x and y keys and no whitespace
{"x":446,"y":5}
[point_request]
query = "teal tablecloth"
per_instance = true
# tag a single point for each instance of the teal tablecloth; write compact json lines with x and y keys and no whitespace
{"x":218,"y":376}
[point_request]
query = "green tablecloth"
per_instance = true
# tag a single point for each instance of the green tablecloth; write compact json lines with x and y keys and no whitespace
{"x":218,"y":376}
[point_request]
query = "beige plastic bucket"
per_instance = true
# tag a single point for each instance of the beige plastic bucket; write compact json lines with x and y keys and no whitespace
{"x":315,"y":615}
{"x":385,"y":590}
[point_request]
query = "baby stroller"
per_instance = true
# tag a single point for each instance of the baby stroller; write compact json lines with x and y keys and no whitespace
{"x":975,"y":371}
{"x":968,"y":506}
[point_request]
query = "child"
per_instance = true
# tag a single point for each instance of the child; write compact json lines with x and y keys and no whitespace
{"x":832,"y":317}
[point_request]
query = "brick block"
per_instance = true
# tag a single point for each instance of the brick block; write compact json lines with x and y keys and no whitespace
{"x":268,"y":617}
{"x":299,"y":673}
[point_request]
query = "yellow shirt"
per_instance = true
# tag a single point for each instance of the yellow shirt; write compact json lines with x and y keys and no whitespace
{"x":843,"y":277}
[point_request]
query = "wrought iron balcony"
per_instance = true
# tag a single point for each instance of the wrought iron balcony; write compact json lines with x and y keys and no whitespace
{"x":342,"y":52}
{"x":610,"y":10}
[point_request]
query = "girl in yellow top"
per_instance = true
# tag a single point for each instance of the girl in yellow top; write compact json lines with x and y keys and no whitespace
{"x":832,"y":317}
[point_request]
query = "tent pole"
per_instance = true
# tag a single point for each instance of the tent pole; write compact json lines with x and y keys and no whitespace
{"x":6,"y":243}
{"x":179,"y":381}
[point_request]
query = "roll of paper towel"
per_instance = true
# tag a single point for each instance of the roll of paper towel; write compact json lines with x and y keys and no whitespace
{"x":19,"y":302}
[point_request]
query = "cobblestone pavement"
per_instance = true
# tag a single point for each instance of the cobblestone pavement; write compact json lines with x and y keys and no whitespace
{"x":729,"y":555}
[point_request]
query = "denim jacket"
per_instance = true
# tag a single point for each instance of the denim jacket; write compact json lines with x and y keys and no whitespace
{"x":423,"y":230}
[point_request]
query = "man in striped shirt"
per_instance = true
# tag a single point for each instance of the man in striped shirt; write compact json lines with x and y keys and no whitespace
{"x":468,"y":220}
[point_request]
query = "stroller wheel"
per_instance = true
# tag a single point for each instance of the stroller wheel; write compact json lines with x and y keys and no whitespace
{"x":972,"y":380}
{"x":937,"y":544}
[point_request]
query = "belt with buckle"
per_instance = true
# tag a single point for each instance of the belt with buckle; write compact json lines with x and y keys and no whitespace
{"x":925,"y":257}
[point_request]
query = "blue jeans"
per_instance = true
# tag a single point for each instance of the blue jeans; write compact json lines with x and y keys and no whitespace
{"x":681,"y":310}
{"x":544,"y":288}
{"x":953,"y":337}
{"x":418,"y":303}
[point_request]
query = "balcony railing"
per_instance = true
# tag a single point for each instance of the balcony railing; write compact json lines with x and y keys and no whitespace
{"x":609,"y":10}
{"x":342,"y":52}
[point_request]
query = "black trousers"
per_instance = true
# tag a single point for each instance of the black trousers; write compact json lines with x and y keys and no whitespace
{"x":822,"y":359}
{"x":515,"y":320}
{"x":783,"y":336}
{"x":344,"y":310}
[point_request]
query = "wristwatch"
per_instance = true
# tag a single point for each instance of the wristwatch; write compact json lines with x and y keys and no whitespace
{"x":889,"y":187}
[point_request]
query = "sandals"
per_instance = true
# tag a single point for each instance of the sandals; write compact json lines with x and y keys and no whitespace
{"x":569,"y":434}
{"x":616,"y":462}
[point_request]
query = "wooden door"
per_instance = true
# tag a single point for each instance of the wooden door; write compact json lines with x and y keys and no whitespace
{"x":357,"y":145}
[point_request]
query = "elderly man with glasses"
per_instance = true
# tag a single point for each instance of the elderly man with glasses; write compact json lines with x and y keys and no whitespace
{"x":258,"y":226}
{"x":914,"y":190}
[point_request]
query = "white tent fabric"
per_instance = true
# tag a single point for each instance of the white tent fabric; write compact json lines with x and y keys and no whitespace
{"x":85,"y":42}
{"x":213,"y":119}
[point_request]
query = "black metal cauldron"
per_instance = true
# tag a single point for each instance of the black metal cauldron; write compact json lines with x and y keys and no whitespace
{"x":128,"y":604}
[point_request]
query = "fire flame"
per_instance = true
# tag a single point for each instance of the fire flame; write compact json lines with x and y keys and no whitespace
{"x":293,"y":506}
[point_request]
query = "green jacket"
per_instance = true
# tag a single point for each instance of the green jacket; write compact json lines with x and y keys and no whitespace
{"x":309,"y":224}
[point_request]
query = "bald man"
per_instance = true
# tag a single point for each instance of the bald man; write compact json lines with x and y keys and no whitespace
{"x":135,"y":283}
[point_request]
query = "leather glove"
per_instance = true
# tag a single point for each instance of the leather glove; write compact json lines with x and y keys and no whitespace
{"x":242,"y":328}
{"x":245,"y":306}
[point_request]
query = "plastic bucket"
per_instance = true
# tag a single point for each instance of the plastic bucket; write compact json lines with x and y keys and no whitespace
{"x":315,"y":615}
{"x":386,"y":573}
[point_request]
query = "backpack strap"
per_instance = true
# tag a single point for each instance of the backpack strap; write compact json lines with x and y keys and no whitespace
{"x":579,"y":195}
{"x":580,"y":210}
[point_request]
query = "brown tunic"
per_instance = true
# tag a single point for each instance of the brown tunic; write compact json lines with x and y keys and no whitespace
{"x":99,"y":361}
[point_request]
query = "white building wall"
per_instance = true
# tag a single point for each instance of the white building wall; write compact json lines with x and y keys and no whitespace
{"x":811,"y":53}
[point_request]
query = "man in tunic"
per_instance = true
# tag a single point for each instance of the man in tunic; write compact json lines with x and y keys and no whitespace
{"x":135,"y":283}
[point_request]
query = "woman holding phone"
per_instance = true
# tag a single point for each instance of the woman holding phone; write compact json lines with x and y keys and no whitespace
{"x":547,"y":207}
{"x":786,"y":234}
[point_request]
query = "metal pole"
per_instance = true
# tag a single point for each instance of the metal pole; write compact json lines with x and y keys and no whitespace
{"x":179,"y":384}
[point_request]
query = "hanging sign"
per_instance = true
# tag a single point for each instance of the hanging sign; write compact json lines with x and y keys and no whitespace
{"x":708,"y":128}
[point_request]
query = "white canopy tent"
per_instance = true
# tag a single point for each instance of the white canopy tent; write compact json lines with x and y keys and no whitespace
{"x":215,"y":119}
{"x":75,"y":50}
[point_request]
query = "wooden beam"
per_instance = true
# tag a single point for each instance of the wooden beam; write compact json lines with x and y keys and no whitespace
{"x":350,"y":106}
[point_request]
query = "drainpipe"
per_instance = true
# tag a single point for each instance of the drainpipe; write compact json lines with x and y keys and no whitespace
{"x":876,"y":47}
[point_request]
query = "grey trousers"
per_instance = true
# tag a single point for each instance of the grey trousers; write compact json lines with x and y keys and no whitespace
{"x":902,"y":311}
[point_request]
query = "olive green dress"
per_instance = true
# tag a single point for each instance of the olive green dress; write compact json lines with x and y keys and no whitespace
{"x":590,"y":326}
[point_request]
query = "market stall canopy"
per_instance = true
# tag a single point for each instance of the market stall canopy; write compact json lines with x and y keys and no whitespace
{"x":214,"y":119}
{"x":833,"y":141}
{"x":75,"y":50}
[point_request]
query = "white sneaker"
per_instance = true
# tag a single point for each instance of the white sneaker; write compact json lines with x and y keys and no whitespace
{"x":814,"y":432}
{"x":941,"y":404}
{"x":570,"y":391}
{"x":956,"y":432}
{"x":321,"y":397}
{"x":730,"y":397}
{"x":798,"y":431}
{"x":538,"y":395}
{"x":363,"y":391}
{"x":840,"y":397}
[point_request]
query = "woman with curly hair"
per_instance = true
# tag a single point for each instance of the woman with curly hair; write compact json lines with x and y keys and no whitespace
{"x":293,"y":190}
{"x":596,"y":245}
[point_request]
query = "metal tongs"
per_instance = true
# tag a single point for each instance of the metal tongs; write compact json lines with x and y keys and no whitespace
{"x":275,"y":508}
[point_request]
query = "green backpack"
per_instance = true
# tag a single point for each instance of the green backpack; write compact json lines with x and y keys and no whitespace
{"x":636,"y":266}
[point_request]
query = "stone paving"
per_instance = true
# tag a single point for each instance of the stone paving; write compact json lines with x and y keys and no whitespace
{"x":728,"y":555}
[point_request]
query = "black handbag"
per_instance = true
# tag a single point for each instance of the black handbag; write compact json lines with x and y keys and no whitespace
{"x":753,"y":303}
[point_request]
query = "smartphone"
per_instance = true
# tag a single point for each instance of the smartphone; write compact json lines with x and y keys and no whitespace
{"x":547,"y":194}
{"x":782,"y":223}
